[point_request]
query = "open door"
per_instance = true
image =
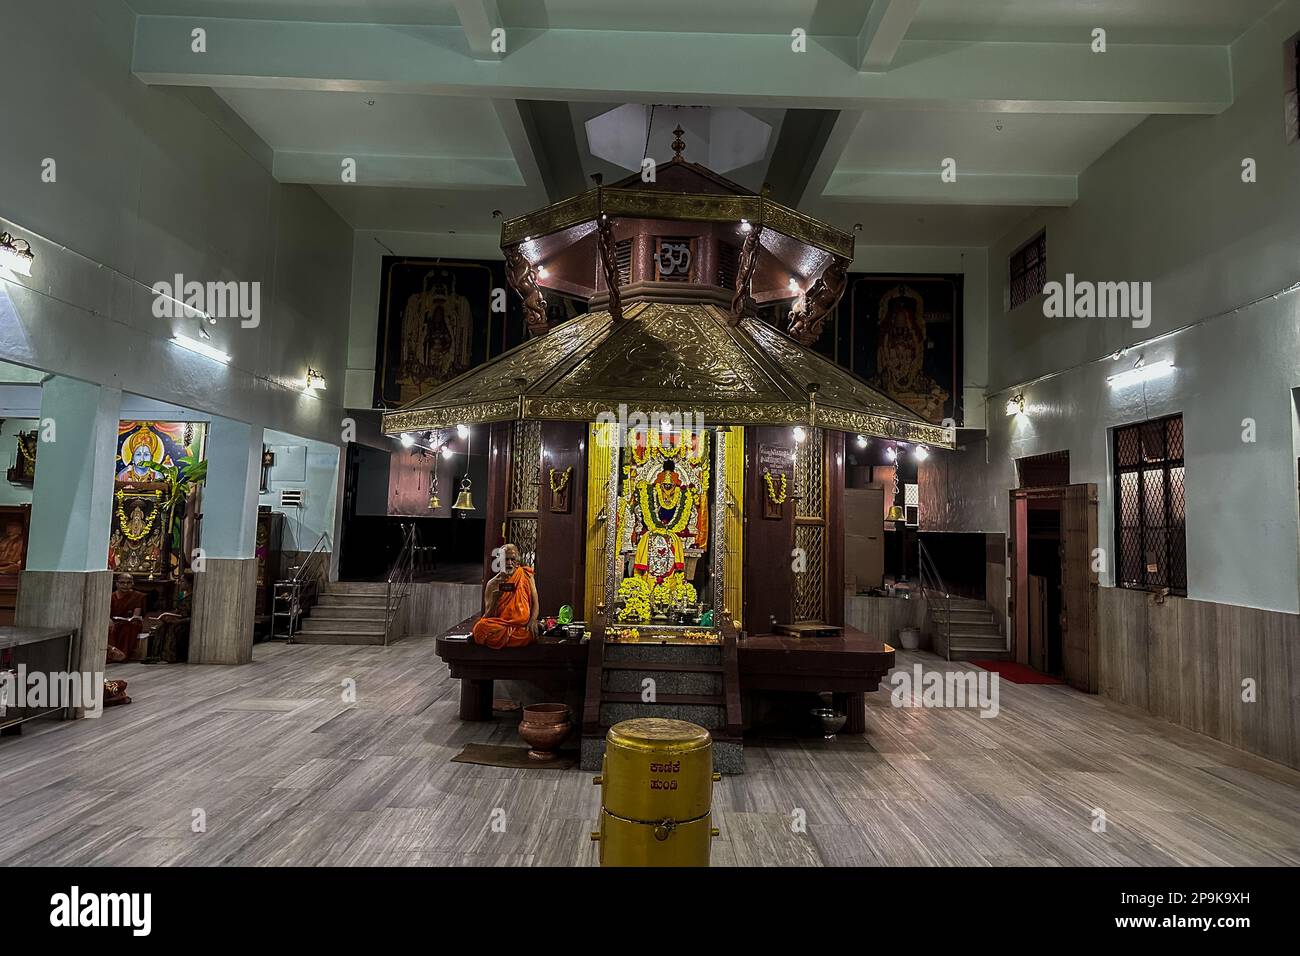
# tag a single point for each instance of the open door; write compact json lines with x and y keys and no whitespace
{"x":1078,"y":589}
{"x":1079,"y":586}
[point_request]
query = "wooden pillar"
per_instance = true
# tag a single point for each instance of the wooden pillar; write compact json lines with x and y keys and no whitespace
{"x":769,"y":574}
{"x":561,"y":534}
{"x":498,"y":469}
{"x":835,"y":528}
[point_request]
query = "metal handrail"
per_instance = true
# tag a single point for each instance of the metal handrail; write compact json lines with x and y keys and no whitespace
{"x":399,"y":579}
{"x":933,"y":588}
{"x":304,"y":573}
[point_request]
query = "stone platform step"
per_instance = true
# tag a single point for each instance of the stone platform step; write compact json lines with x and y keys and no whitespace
{"x":338,"y":637}
{"x":360,"y":612}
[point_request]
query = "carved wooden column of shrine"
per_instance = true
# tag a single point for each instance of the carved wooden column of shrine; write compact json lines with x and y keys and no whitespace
{"x":769,"y":528}
{"x":835,"y":528}
{"x":562,"y":517}
{"x":498,"y":471}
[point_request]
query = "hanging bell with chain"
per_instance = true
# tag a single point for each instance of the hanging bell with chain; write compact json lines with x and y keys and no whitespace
{"x":463,"y":500}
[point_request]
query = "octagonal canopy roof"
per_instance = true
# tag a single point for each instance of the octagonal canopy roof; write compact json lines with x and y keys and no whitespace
{"x":664,"y":358}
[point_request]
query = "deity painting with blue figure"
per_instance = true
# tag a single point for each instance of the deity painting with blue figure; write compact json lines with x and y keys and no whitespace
{"x":140,"y":443}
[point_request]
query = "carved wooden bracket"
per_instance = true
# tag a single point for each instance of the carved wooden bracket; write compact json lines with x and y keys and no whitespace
{"x":523,"y":279}
{"x":745,"y":273}
{"x":819,"y":302}
{"x":605,"y":242}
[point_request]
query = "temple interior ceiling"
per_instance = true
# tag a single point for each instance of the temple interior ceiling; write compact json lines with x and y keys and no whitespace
{"x":846,"y":119}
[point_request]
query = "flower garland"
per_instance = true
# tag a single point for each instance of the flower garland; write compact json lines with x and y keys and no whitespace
{"x":778,"y":499}
{"x":123,"y":521}
{"x":680,"y":520}
{"x":558,"y":486}
{"x":22,"y":449}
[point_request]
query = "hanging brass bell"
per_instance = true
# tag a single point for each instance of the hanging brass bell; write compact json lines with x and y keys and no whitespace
{"x":434,"y":502}
{"x":896,"y":514}
{"x":463,"y":500}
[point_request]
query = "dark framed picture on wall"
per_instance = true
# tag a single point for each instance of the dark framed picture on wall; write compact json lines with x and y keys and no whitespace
{"x":903,"y":334}
{"x":436,"y":322}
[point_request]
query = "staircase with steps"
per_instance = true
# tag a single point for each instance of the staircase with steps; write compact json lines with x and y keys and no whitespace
{"x":346,"y":612}
{"x":972,"y":627}
{"x":695,"y":682}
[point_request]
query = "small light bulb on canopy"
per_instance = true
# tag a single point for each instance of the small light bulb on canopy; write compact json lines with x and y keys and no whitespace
{"x":921,"y":453}
{"x":462,"y":431}
{"x":407,"y":439}
{"x":891,"y":453}
{"x":862,"y":441}
{"x":799,"y":433}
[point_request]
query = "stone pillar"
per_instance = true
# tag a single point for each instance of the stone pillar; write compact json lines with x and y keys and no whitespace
{"x":67,"y":582}
{"x":225,"y":591}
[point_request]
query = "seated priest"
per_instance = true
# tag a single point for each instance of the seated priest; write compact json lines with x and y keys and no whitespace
{"x":126,"y":609}
{"x":509,"y":605}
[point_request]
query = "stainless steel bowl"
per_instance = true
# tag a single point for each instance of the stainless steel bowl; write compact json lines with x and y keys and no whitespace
{"x":831,"y":721}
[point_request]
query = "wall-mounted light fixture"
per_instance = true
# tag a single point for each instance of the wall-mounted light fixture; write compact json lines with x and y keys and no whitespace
{"x":1141,"y":372}
{"x":15,"y":255}
{"x":203,"y":348}
{"x":1015,"y":405}
{"x":315,"y":381}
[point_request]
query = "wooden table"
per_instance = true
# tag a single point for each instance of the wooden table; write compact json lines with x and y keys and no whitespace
{"x":37,"y":648}
{"x":477,"y":666}
{"x":849,"y":665}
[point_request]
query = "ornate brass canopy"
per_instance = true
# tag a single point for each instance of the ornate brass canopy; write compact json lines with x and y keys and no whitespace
{"x":666,"y":358}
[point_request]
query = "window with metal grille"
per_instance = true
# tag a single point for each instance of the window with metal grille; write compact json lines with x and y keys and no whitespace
{"x":1027,"y":269}
{"x":623,"y":259}
{"x":728,"y":257}
{"x":1150,"y":506}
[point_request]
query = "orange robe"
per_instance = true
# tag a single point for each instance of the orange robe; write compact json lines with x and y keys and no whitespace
{"x":509,"y":626}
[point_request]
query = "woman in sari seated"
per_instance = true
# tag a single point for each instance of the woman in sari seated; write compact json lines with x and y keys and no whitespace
{"x":126,"y":612}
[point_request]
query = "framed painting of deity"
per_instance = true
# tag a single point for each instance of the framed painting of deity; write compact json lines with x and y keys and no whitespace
{"x":14,"y":521}
{"x":439,"y":318}
{"x":23,"y":471}
{"x":903,"y":334}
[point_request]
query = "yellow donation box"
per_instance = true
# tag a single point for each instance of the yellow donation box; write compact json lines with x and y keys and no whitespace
{"x":656,"y":794}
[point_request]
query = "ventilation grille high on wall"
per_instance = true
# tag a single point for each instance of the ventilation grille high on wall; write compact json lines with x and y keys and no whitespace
{"x":291,"y":498}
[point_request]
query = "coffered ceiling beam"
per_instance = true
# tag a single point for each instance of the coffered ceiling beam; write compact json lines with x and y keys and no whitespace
{"x":882,"y":33}
{"x":441,"y":172}
{"x":972,"y":189}
{"x":478,"y":18}
{"x":744,"y":70}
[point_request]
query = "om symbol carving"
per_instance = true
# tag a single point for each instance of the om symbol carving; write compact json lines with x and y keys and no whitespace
{"x":673,"y":259}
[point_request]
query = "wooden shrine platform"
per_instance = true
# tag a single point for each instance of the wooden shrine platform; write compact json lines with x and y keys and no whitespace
{"x":849,"y":665}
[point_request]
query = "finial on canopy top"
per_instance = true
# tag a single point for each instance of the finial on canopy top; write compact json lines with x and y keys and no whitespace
{"x":678,"y":143}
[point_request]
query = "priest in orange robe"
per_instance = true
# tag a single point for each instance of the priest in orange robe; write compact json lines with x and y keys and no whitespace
{"x":509,"y":605}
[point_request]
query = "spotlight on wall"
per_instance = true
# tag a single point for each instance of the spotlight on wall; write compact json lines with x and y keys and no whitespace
{"x":1141,"y":372}
{"x":921,"y":453}
{"x":203,"y":348}
{"x":891,"y":453}
{"x":315,"y":381}
{"x":407,"y":439}
{"x":799,"y":434}
{"x":15,"y":255}
{"x":1016,"y":405}
{"x":462,"y":431}
{"x":862,"y":441}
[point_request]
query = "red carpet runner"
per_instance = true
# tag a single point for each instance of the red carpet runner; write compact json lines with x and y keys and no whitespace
{"x":1017,"y":673}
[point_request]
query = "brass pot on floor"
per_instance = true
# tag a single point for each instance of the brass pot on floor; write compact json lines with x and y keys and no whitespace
{"x":544,"y":727}
{"x":656,"y":794}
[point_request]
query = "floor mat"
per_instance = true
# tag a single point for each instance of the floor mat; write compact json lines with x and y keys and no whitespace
{"x":491,"y":755}
{"x":1017,"y":673}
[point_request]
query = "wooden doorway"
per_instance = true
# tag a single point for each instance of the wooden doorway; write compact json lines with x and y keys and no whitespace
{"x":1066,"y":645}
